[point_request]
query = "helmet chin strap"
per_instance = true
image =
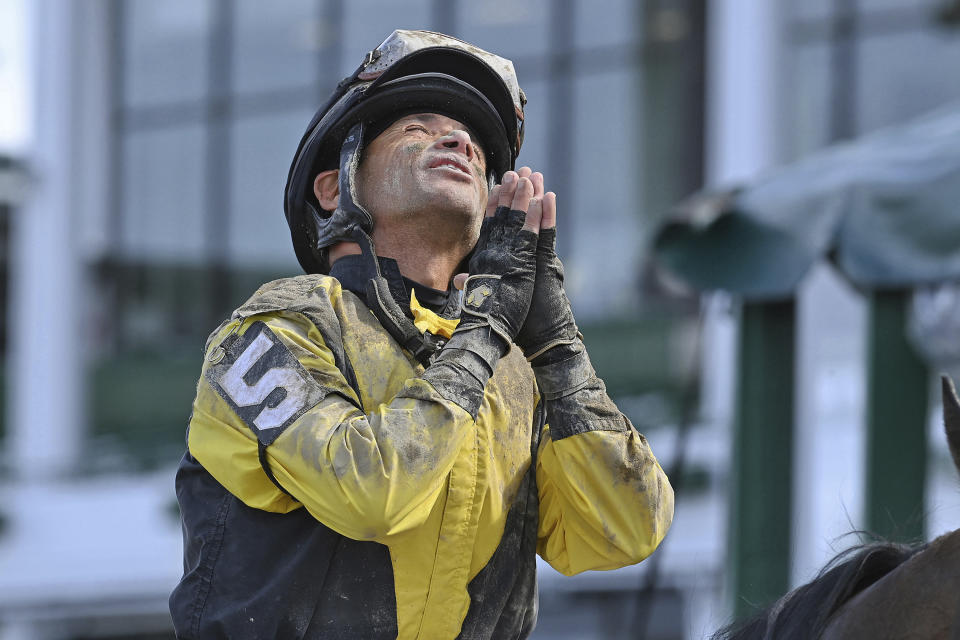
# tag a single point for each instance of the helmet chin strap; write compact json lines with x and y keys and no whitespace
{"x":423,"y":346}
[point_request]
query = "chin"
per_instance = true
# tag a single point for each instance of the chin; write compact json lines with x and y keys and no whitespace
{"x":460,"y":206}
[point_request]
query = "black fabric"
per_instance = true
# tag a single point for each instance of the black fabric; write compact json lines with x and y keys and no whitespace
{"x":589,"y":409}
{"x":432,"y":299}
{"x":565,"y":377}
{"x":353,"y":273}
{"x":253,"y":574}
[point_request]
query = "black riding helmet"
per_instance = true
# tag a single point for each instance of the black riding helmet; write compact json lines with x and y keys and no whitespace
{"x":411,"y":71}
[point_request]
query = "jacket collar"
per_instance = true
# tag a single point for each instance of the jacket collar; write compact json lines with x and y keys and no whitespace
{"x":353,"y":272}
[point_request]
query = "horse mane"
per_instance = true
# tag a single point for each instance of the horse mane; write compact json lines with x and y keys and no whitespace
{"x":803,"y":613}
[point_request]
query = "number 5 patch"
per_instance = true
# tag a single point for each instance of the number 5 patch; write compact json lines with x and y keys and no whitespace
{"x":263,"y":382}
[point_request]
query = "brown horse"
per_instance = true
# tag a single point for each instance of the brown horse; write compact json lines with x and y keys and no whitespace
{"x":878,"y":591}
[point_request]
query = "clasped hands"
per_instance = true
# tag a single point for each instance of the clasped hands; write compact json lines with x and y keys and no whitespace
{"x":515,"y":285}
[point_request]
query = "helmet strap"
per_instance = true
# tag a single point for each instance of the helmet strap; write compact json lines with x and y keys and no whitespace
{"x":349,"y":161}
{"x":381,"y":302}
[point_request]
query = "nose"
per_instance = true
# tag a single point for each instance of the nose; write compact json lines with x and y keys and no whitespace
{"x":458,"y":140}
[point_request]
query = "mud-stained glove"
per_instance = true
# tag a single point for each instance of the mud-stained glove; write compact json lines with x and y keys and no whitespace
{"x":502,"y":270}
{"x":549,"y":321}
{"x":495,"y":301}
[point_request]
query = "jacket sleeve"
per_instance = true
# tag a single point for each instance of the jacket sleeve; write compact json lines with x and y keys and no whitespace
{"x":270,"y":390}
{"x":605,"y":503}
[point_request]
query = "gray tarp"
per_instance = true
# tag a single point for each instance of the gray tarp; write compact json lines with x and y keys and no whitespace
{"x":885,"y":208}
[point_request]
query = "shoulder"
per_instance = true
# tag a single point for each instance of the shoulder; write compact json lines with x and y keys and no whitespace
{"x":311,"y":292}
{"x":295,"y":319}
{"x":316,"y":297}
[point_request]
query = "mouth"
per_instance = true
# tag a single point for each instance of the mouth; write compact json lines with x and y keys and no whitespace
{"x":452,"y":163}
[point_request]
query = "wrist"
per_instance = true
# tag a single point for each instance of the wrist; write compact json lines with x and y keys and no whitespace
{"x":567,"y":371}
{"x":462,"y":368}
{"x":557,"y":351}
{"x":481,"y":341}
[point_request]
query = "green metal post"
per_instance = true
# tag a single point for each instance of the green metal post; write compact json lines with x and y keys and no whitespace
{"x":897,"y":398}
{"x":759,"y":539}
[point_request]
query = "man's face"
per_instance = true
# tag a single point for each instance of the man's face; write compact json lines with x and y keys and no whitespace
{"x":424,"y":164}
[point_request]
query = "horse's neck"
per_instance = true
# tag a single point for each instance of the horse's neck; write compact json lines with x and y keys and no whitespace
{"x":918,"y":599}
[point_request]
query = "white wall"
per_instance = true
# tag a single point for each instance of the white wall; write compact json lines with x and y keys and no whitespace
{"x":46,"y":329}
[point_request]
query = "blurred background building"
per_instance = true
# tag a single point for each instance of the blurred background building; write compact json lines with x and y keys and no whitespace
{"x":143,"y":152}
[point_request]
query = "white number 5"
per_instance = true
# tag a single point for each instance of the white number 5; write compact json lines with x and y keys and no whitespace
{"x":245,"y":395}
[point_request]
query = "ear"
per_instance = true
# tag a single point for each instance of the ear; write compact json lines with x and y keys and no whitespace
{"x":326,"y":187}
{"x":951,"y":418}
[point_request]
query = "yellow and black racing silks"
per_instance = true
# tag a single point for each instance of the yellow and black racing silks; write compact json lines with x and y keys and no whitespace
{"x":330,"y":492}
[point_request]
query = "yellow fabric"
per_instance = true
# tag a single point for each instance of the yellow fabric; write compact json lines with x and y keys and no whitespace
{"x":586,"y":524}
{"x":427,"y":320}
{"x":418,"y":474}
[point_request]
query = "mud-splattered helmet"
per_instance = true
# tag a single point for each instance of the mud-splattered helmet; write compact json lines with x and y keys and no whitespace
{"x":412,"y":71}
